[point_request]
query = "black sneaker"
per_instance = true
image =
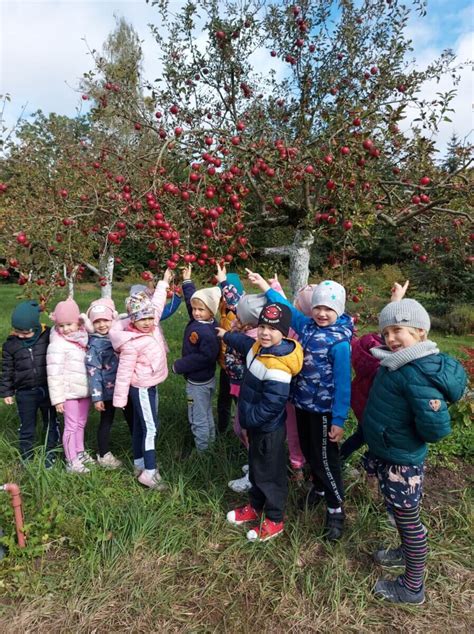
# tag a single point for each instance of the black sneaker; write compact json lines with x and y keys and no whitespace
{"x":395,"y":592}
{"x":390,"y":557}
{"x":334,"y":526}
{"x":310,"y":500}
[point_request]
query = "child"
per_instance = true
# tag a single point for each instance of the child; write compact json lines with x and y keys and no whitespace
{"x":170,"y":308}
{"x":142,"y":366}
{"x":248,"y":311}
{"x":67,"y":381}
{"x":101,"y":364}
{"x":24,"y":377}
{"x":407,"y":408}
{"x":271,"y":362}
{"x":198,"y":361}
{"x":321,"y":392}
{"x":232,"y":290}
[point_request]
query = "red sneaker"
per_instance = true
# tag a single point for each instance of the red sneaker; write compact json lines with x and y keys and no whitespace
{"x":266,"y":530}
{"x":242,"y":514}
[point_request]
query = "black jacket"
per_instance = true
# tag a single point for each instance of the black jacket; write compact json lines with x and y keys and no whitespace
{"x":23,"y":367}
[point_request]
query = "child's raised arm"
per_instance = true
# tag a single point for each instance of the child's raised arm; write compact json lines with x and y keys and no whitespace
{"x":258,"y":280}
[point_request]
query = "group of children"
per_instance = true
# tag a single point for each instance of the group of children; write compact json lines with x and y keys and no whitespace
{"x":287,"y":366}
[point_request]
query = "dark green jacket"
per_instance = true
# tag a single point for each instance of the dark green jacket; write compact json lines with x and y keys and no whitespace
{"x":408,"y":407}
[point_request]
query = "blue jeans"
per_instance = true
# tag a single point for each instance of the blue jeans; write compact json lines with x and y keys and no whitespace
{"x":28,"y":402}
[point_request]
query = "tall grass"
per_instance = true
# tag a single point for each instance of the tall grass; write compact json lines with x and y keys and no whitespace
{"x":104,"y":555}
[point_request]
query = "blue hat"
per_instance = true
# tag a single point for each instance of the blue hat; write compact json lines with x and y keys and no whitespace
{"x":26,"y":316}
{"x":234,"y":279}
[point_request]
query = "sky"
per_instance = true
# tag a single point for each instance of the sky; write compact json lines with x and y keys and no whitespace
{"x":44,"y":50}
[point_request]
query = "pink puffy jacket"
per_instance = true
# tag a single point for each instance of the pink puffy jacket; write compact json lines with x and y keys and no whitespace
{"x":142,"y":361}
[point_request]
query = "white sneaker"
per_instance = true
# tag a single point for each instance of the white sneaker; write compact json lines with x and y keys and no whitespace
{"x":245,"y":469}
{"x":109,"y":461}
{"x":85,"y":458}
{"x":241,"y":485}
{"x":152,"y":482}
{"x":76,"y":466}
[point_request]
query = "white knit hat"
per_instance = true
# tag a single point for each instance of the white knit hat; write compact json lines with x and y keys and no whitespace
{"x":210,"y":297}
{"x":407,"y":312}
{"x":330,"y":294}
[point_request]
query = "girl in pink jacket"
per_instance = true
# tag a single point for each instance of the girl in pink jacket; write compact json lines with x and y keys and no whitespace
{"x":142,"y":366}
{"x":67,"y":381}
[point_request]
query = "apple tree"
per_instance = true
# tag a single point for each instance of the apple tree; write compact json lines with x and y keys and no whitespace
{"x":293,"y":115}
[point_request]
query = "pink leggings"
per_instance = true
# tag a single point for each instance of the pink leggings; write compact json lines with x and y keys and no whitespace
{"x":296,"y":455}
{"x":75,"y":420}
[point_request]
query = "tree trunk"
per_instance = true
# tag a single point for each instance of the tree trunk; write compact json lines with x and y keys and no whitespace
{"x":106,"y":271}
{"x":298,"y":253}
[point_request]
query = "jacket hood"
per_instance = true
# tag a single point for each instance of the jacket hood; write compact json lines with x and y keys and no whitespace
{"x":290,"y":349}
{"x":445,"y":373}
{"x":121,"y":337}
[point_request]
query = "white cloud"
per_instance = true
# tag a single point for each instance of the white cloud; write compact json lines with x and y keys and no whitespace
{"x":43,"y":55}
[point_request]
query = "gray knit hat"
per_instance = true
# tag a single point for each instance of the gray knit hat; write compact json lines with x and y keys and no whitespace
{"x":407,"y":312}
{"x":249,"y":308}
{"x":330,"y":294}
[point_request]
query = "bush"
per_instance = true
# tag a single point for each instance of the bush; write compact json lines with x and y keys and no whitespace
{"x":458,"y":321}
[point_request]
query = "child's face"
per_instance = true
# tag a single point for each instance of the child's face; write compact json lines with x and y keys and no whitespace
{"x":102,"y":326}
{"x":147,"y":324}
{"x":200,"y":311}
{"x":399,"y":337}
{"x":23,"y":334}
{"x":268,"y":336}
{"x":67,"y":328}
{"x":324,"y":316}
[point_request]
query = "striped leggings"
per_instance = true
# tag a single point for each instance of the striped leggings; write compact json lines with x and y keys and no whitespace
{"x":414,"y":545}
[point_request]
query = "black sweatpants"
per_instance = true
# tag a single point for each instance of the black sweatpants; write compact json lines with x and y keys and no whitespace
{"x":353,"y":443}
{"x":29,"y":401}
{"x":103,"y":431}
{"x":321,"y":454}
{"x":224,"y":402}
{"x":267,"y":472}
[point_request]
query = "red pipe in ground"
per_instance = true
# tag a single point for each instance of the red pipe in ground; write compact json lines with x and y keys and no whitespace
{"x":14,"y":491}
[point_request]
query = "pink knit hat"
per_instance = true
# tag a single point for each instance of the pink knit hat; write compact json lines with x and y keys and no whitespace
{"x":66,"y":312}
{"x":304,"y":299}
{"x":103,"y":308}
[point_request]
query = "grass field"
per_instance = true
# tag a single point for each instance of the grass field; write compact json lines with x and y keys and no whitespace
{"x":104,"y":555}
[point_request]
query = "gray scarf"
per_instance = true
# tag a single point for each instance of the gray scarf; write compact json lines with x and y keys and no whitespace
{"x":395,"y":360}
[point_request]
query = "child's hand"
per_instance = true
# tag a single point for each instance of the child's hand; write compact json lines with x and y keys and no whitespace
{"x":398,"y":291}
{"x":221,"y":273}
{"x":99,"y":406}
{"x":220,"y":332}
{"x":258,"y":280}
{"x":8,"y":400}
{"x":336,"y":434}
{"x":168,"y":276}
{"x":274,"y":279}
{"x":60,"y":408}
{"x":187,"y":272}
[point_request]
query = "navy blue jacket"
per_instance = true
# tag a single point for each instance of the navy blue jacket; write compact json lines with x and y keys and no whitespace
{"x":101,"y":365}
{"x":201,"y":345}
{"x":266,"y":382}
